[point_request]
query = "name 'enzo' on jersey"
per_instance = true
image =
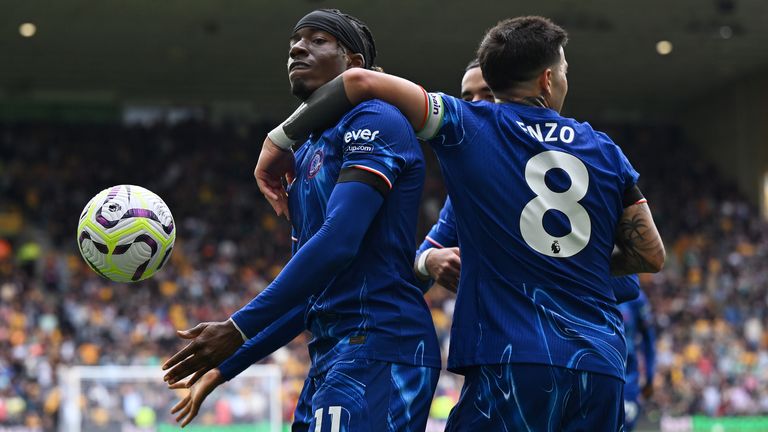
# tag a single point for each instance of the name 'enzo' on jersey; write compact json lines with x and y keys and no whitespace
{"x":550,"y":132}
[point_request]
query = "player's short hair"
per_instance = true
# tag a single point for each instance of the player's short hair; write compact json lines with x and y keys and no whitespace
{"x":518,"y":49}
{"x":472,"y":64}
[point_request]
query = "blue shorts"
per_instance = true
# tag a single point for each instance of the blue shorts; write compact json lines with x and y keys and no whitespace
{"x":366,"y":396}
{"x":534,"y":397}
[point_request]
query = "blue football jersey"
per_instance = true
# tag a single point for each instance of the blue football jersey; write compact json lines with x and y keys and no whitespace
{"x":443,"y":233}
{"x":638,"y":328}
{"x":537,"y":197}
{"x":373,"y":309}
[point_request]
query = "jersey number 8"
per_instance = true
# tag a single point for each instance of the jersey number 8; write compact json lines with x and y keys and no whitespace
{"x":567,"y":202}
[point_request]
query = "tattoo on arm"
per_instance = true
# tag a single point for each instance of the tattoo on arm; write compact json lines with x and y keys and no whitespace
{"x":640,"y":249}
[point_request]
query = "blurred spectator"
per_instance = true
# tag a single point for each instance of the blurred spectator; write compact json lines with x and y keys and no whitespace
{"x":710,"y":301}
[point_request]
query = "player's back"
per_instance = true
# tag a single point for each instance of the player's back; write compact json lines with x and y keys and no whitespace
{"x":537,"y":197}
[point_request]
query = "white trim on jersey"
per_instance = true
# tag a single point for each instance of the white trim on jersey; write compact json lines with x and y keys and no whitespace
{"x":434,"y":242}
{"x":245,"y":338}
{"x":374,"y":171}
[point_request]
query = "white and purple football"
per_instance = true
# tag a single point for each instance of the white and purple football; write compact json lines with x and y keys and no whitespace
{"x":126,"y":233}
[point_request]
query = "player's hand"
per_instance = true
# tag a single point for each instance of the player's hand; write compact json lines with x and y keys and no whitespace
{"x":274,"y":165}
{"x":212,"y":343}
{"x":188,"y":407}
{"x":647,"y":390}
{"x":444,"y":266}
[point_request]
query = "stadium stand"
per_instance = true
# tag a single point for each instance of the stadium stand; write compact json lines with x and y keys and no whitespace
{"x":710,"y":316}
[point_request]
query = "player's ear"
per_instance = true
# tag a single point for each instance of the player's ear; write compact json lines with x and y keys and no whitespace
{"x":545,"y":81}
{"x":355,"y":60}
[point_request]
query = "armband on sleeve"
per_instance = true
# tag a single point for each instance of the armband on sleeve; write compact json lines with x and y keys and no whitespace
{"x":367,"y":176}
{"x":633,"y":196}
{"x":433,"y":118}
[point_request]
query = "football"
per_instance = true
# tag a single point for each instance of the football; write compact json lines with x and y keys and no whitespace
{"x":126,"y":233}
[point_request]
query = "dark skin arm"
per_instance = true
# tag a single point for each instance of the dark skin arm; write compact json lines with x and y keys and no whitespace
{"x":275,"y":164}
{"x":212,"y":343}
{"x":360,"y":85}
{"x":444,"y":266}
{"x":640,"y":249}
{"x":188,"y":407}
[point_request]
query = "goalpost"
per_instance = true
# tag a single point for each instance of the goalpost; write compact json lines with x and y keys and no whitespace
{"x":135,"y":399}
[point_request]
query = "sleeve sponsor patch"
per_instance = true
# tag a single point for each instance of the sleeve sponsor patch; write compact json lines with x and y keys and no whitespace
{"x":359,"y":141}
{"x":358,"y":148}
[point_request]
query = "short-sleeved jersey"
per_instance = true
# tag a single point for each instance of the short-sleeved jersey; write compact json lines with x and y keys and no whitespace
{"x":443,"y":233}
{"x":373,"y":309}
{"x":537,"y":197}
{"x":637,"y":321}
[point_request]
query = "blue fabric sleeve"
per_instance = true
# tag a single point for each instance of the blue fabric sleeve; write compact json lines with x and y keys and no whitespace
{"x":351,"y":209}
{"x":448,"y":115}
{"x":265,"y":343}
{"x":627,"y":173}
{"x":625,"y":288}
{"x":377,"y":138}
{"x":443,"y":234}
{"x":649,"y":336}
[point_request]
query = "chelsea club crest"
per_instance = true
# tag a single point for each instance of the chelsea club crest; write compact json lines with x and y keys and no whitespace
{"x":315,"y":163}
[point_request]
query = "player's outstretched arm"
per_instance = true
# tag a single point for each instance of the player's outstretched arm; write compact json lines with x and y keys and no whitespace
{"x":322,"y":110}
{"x":329,"y":103}
{"x":278,"y":334}
{"x":351,"y":208}
{"x":410,"y":98}
{"x":640,"y":249}
{"x":187,"y":408}
{"x":253,"y":350}
{"x":350,"y":211}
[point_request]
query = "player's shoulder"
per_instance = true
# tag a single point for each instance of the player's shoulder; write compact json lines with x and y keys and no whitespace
{"x":477,"y":113}
{"x":582,"y":128}
{"x":600,"y":140}
{"x":375,"y":119}
{"x":377,"y":108}
{"x":598,"y":136}
{"x":459,"y":104}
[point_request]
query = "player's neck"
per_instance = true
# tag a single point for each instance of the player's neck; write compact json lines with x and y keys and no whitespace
{"x":523,"y":96}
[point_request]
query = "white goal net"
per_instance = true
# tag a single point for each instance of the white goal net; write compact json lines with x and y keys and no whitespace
{"x":135,"y":399}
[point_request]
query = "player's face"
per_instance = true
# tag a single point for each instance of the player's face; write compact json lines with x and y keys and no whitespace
{"x":314,"y":58}
{"x":559,"y":83}
{"x":474,"y":88}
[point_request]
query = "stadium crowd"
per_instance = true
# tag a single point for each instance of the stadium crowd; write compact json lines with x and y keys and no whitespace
{"x":709,"y":302}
